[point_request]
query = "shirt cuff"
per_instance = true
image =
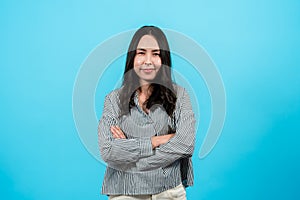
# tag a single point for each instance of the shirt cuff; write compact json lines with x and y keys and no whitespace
{"x":146,"y":147}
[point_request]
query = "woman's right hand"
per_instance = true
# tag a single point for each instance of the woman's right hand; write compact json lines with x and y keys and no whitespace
{"x":159,"y":140}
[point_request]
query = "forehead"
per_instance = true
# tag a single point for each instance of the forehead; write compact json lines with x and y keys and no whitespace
{"x":148,"y":42}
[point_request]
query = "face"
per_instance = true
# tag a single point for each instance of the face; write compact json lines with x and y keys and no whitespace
{"x":147,"y":61}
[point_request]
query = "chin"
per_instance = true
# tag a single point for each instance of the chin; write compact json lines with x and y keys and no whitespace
{"x":148,"y":78}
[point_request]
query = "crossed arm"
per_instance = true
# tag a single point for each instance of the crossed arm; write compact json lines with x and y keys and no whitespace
{"x":156,"y":141}
{"x":150,"y":152}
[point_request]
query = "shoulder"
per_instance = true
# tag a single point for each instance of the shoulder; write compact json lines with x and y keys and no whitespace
{"x":112,"y":102}
{"x":179,"y":91}
{"x":114,"y":94}
{"x":113,"y":98}
{"x":183,"y":103}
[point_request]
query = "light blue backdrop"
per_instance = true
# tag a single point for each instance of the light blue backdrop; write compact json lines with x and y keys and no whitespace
{"x":255,"y":45}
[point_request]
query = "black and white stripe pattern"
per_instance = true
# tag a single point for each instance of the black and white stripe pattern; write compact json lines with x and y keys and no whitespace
{"x":133,"y":166}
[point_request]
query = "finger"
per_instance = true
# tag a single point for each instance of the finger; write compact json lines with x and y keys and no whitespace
{"x":115,"y":132}
{"x":120,"y":132}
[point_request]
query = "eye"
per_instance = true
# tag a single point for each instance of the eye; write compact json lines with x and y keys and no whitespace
{"x":156,"y":54}
{"x":141,"y":53}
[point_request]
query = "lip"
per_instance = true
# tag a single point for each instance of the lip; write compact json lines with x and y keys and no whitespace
{"x":148,"y":70}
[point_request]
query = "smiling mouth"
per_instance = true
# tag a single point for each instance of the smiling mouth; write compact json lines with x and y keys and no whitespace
{"x":147,"y":70}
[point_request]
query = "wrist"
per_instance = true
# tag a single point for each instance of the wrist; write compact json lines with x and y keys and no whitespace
{"x":154,"y":142}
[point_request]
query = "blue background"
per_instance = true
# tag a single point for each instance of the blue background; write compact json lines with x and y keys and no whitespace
{"x":255,"y":45}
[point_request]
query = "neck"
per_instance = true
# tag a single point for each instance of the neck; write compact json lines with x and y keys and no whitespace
{"x":144,"y":89}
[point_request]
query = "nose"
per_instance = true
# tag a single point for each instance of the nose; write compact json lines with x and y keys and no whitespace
{"x":148,"y":60}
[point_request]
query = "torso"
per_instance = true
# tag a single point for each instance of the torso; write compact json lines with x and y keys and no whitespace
{"x":142,"y":98}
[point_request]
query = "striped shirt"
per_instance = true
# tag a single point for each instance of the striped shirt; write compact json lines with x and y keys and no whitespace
{"x":133,"y":167}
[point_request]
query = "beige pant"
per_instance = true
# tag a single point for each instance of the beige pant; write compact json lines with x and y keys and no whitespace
{"x":177,"y":193}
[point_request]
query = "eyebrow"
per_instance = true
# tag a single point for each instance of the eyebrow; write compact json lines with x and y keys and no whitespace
{"x":154,"y":50}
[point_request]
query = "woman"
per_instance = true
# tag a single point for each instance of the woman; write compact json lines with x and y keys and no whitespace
{"x":147,"y":130}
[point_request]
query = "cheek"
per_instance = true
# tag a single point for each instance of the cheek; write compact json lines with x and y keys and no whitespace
{"x":157,"y":62}
{"x":137,"y":61}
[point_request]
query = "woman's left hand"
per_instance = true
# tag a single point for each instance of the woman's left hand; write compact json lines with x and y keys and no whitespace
{"x":117,"y":132}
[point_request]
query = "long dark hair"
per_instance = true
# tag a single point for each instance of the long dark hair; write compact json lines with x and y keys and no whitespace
{"x":162,"y":90}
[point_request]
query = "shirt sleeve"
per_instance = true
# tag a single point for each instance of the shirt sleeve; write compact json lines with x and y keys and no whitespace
{"x":117,"y":152}
{"x":180,"y":146}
